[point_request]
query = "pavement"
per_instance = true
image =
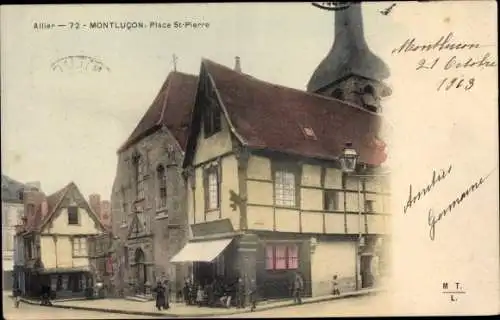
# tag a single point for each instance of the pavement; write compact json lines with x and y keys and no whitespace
{"x":122,"y":306}
{"x":32,"y":312}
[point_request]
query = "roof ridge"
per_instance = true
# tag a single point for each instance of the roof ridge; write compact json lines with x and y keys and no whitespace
{"x":316,"y":95}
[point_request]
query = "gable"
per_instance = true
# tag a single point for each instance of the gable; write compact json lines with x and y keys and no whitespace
{"x":57,"y":218}
{"x":200,"y":146}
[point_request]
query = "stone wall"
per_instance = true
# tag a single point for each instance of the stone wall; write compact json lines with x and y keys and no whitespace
{"x":165,"y":229}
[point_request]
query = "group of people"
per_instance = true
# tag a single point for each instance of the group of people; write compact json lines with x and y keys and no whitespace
{"x":219,"y":293}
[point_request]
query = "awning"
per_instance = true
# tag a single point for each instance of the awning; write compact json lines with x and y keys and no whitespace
{"x":203,"y":251}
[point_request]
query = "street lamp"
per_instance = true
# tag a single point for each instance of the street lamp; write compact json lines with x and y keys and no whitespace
{"x":348,"y":162}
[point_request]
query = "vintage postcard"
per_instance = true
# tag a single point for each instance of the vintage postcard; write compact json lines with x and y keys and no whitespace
{"x":250,"y":160}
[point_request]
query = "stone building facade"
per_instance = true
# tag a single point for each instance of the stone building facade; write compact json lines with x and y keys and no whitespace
{"x":148,"y":210}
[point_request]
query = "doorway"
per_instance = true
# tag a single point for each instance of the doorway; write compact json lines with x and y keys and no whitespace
{"x":141,"y":275}
{"x":366,"y":274}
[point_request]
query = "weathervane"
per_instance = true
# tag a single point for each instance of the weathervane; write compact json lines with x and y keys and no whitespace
{"x":174,"y":61}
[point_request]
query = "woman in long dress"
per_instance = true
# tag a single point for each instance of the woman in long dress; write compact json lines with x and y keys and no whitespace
{"x":160,"y":295}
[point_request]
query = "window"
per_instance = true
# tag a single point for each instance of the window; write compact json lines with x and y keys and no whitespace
{"x":72,"y":215}
{"x":331,"y":200}
{"x":79,"y":247}
{"x":284,"y":188}
{"x":282,"y":257}
{"x":212,"y":188}
{"x":139,"y":176}
{"x":211,"y":118}
{"x":162,"y":186}
{"x":369,"y":206}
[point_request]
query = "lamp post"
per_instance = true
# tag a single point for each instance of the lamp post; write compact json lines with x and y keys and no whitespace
{"x":348,"y":162}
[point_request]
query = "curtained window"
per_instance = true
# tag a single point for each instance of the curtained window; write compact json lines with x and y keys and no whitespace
{"x":282,"y":257}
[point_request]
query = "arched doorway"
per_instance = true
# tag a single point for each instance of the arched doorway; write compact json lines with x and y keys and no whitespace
{"x":141,"y":275}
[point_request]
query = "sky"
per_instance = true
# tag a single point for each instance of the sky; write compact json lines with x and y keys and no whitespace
{"x":62,"y":127}
{"x":59,"y":127}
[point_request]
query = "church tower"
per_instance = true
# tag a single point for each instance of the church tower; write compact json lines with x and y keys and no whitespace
{"x":350,"y":71}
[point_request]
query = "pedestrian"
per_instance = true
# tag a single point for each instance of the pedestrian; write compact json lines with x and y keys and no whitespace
{"x":252,"y":292}
{"x":160,"y":295}
{"x":335,"y":286}
{"x":168,"y":291}
{"x":297,"y":288}
{"x":210,"y":293}
{"x":17,"y":297}
{"x":186,"y":291}
{"x":199,"y":295}
{"x":240,"y":294}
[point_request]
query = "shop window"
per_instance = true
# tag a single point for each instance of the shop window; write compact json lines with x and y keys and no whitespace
{"x":282,"y":257}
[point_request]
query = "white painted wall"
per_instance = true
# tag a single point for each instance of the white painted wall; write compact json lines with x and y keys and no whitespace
{"x":329,"y":258}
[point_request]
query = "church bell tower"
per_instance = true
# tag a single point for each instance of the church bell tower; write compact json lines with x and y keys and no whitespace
{"x":350,"y":71}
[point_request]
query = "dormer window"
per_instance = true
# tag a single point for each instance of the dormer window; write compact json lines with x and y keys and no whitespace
{"x":309,"y":133}
{"x":211,"y":118}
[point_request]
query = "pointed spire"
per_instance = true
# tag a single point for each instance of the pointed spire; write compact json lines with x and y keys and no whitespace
{"x":237,"y":64}
{"x":349,"y":54}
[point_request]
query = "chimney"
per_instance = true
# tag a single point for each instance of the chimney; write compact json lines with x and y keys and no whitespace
{"x":237,"y":64}
{"x":34,"y":200}
{"x":106,"y":212}
{"x":95,"y":203}
{"x":34,"y":185}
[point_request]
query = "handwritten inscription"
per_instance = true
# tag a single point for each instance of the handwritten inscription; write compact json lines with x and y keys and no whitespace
{"x":433,"y":219}
{"x":443,"y":43}
{"x":412,"y":199}
{"x":450,"y":63}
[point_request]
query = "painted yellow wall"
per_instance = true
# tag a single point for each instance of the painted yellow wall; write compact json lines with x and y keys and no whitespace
{"x":329,"y":258}
{"x":312,"y":222}
{"x":260,"y":218}
{"x":48,"y":251}
{"x":60,"y":224}
{"x":229,"y":181}
{"x":217,"y":144}
{"x":312,"y":200}
{"x":59,"y":254}
{"x":259,"y":168}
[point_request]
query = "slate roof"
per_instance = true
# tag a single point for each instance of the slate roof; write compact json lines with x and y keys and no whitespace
{"x":171,"y":107}
{"x":273,"y":117}
{"x":11,"y":189}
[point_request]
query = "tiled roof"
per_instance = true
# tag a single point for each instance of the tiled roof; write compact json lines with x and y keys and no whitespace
{"x":273,"y":117}
{"x":172,"y":108}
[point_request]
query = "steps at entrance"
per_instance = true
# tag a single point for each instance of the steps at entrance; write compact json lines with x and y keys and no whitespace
{"x":140,"y":298}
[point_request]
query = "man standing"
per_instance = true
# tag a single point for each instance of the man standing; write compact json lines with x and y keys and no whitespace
{"x":297,"y":287}
{"x":240,"y":294}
